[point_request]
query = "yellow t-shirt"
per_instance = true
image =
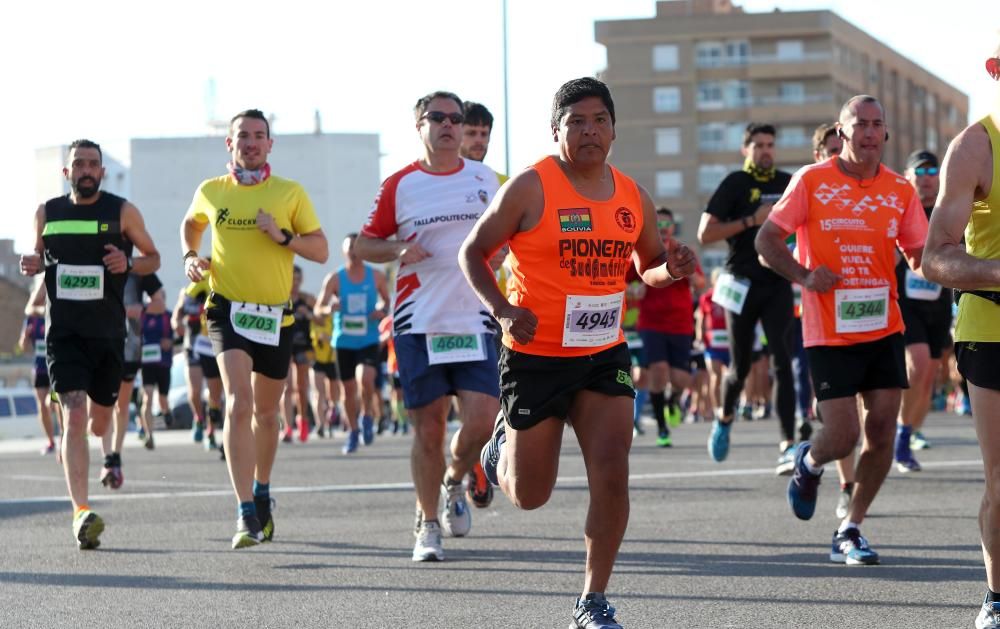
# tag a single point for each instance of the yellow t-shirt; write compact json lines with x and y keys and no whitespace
{"x":321,"y":336}
{"x":248,"y":266}
{"x":193,"y":289}
{"x":977,"y":317}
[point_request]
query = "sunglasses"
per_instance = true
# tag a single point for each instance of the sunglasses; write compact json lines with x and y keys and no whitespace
{"x":440,"y":116}
{"x":921,"y":171}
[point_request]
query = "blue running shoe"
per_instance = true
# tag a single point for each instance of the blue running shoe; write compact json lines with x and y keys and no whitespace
{"x":351,"y":445}
{"x":989,"y":616}
{"x":197,"y":431}
{"x":489,"y":457}
{"x":594,"y":612}
{"x":718,"y":441}
{"x":852,"y":549}
{"x":367,"y":430}
{"x":802,"y":488}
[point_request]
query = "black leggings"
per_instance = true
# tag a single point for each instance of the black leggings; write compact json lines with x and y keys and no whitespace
{"x":771,"y":303}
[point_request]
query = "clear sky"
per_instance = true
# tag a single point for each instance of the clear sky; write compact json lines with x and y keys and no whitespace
{"x":115,"y":70}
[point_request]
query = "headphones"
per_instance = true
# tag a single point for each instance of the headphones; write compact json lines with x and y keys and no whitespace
{"x":843,"y":135}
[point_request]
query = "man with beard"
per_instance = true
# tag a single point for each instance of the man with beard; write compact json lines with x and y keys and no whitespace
{"x":259,"y":224}
{"x":83,"y":244}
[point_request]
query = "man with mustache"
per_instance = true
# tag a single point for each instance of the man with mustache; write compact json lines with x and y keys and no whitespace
{"x":83,"y":244}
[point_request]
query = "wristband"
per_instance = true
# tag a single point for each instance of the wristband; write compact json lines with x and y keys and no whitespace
{"x":288,"y":237}
{"x":191,"y":253}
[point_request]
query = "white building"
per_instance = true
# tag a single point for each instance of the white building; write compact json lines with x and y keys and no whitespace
{"x":50,"y":181}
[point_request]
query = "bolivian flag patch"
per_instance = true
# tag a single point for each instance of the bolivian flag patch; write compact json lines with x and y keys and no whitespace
{"x":576,"y":219}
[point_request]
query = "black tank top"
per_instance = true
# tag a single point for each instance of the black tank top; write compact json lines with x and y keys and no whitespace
{"x":74,"y":237}
{"x":300,"y":328}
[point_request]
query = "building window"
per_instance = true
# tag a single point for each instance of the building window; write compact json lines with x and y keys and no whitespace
{"x":668,"y":141}
{"x":793,"y":136}
{"x":737,"y":94}
{"x":737,"y":52}
{"x":667,"y":99}
{"x":719,"y":136}
{"x":708,"y":54}
{"x":790,"y":50}
{"x":665,"y":58}
{"x":932,"y":139}
{"x":710,"y":95}
{"x":710,"y":175}
{"x":669,"y":184}
{"x":792,"y":93}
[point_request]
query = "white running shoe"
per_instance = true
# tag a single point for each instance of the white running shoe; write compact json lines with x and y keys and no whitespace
{"x":455,"y":516}
{"x":428,"y":546}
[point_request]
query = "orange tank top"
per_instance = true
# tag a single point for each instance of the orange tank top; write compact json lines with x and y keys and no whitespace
{"x":569,"y":269}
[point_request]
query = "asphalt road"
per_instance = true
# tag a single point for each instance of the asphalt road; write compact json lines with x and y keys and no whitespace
{"x":708,"y":545}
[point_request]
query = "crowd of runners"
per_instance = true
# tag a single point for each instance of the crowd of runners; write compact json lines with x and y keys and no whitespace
{"x":514,"y":308}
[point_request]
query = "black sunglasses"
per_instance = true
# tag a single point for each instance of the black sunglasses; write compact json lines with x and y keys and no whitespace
{"x":440,"y":116}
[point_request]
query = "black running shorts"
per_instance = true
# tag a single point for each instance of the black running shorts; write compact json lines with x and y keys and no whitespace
{"x":977,"y":362}
{"x":846,"y":370}
{"x":329,"y":370}
{"x":534,"y":388}
{"x":156,"y":376}
{"x":349,"y":359}
{"x":209,"y":366}
{"x":923,"y":326}
{"x":82,"y":364}
{"x":268,"y":360}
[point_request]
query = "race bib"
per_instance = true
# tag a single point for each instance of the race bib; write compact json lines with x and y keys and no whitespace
{"x":260,"y":324}
{"x":862,"y":309}
{"x":592,"y":321}
{"x":151,"y":353}
{"x":718,"y":339}
{"x":731,"y":293}
{"x":40,"y":348}
{"x":454,"y":348}
{"x":633,"y":340}
{"x":203,"y":346}
{"x":76,"y":282}
{"x":920,"y":289}
{"x":354,"y":325}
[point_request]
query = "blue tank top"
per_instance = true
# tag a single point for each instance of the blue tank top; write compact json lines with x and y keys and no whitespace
{"x":353,"y":327}
{"x":155,"y":328}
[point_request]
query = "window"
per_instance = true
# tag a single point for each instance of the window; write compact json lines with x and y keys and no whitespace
{"x":932,"y":139}
{"x":790,"y":49}
{"x":792,"y":93}
{"x":708,"y":54}
{"x":668,"y":141}
{"x":709,"y":176}
{"x":737,"y":52}
{"x":665,"y":57}
{"x":667,"y":99}
{"x":25,"y":405}
{"x":719,"y":136}
{"x":737,"y":94}
{"x":5,"y":406}
{"x":710,"y":95}
{"x":669,"y":184}
{"x":793,"y":136}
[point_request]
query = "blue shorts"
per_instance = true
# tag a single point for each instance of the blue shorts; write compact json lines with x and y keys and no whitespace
{"x":717,"y":355}
{"x":424,"y":383}
{"x":659,"y":347}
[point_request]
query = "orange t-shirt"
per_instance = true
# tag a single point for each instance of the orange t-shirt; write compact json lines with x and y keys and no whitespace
{"x":569,"y":269}
{"x":852,"y":228}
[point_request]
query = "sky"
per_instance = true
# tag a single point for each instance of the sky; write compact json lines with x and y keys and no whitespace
{"x":117,"y":70}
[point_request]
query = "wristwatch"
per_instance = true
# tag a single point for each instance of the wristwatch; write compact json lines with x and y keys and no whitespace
{"x":288,"y":237}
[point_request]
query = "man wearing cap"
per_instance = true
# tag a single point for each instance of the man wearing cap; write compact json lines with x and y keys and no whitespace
{"x":926,"y":309}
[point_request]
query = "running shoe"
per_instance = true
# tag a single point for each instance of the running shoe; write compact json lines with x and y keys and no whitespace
{"x":989,"y":616}
{"x":908,"y":464}
{"x":264,"y":508}
{"x":383,"y":425}
{"x":803,"y":486}
{"x":168,"y":419}
{"x":428,"y":545}
{"x":663,"y":440}
{"x":87,"y":528}
{"x":334,"y":418}
{"x":786,"y":461}
{"x":479,"y":490}
{"x":303,"y":426}
{"x":320,"y":432}
{"x":353,"y":440}
{"x":406,"y":426}
{"x":367,"y":430}
{"x":919,"y":442}
{"x":210,"y":442}
{"x":844,"y":501}
{"x":674,"y":416}
{"x":594,"y":612}
{"x":718,"y":441}
{"x":489,"y":456}
{"x":111,"y":475}
{"x":746,"y":412}
{"x":141,"y":434}
{"x":763,"y":412}
{"x":198,"y":430}
{"x":286,"y":435}
{"x":49,"y":448}
{"x":455,"y":517}
{"x":851,"y":548}
{"x":248,"y":532}
{"x":222,"y":453}
{"x":148,"y":443}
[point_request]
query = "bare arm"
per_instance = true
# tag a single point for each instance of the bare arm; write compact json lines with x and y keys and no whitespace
{"x":328,"y":293}
{"x":382,"y":286}
{"x":711,"y":229}
{"x":966,"y":177}
{"x":177,"y":318}
{"x":770,"y":245}
{"x":32,"y":264}
{"x":311,"y":246}
{"x":383,"y":250}
{"x":656,"y":265}
{"x":36,"y":301}
{"x":134,"y":228}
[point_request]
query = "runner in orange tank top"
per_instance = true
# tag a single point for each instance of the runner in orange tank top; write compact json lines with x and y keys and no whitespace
{"x":574,"y":224}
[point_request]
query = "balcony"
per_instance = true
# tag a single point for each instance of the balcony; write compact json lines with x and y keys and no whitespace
{"x":805,"y":57}
{"x":796,"y":101}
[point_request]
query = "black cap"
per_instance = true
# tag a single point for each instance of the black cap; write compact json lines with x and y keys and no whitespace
{"x":922,"y":156}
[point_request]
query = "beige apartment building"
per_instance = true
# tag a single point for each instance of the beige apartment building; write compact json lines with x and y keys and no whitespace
{"x":687,"y":82}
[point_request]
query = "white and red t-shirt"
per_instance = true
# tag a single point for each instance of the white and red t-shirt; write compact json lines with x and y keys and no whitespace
{"x":436,"y":210}
{"x":852,"y":228}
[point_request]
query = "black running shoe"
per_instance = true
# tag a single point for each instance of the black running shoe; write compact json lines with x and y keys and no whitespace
{"x":264,"y":508}
{"x":594,"y":612}
{"x":248,"y":532}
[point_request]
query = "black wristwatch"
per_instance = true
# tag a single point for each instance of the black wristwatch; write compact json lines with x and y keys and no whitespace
{"x":128,"y":265}
{"x":288,"y":237}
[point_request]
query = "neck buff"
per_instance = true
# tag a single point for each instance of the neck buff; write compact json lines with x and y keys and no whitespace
{"x":760,"y":174}
{"x":246,"y":177}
